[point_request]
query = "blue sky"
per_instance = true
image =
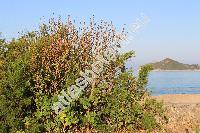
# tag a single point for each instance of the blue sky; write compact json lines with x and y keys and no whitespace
{"x":173,"y":30}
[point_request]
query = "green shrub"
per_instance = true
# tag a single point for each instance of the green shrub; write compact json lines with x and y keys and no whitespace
{"x":16,"y":99}
{"x":39,"y":65}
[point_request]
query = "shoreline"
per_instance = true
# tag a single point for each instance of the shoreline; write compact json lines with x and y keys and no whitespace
{"x":175,"y":70}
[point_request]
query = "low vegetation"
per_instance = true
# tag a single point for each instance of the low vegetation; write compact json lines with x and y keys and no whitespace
{"x":37,"y":66}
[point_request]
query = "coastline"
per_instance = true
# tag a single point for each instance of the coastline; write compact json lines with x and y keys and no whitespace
{"x":187,"y":70}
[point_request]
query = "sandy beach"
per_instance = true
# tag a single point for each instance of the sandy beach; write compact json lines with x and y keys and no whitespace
{"x":179,"y":98}
{"x":183,"y":111}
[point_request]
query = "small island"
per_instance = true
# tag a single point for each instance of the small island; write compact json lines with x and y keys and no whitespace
{"x":172,"y":65}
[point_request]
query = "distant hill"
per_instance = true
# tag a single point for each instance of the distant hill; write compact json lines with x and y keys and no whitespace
{"x":169,"y":64}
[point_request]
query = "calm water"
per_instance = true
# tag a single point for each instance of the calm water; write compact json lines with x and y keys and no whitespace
{"x":174,"y":82}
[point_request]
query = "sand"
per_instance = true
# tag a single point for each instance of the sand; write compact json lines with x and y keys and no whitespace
{"x":183,"y":111}
{"x":180,"y":98}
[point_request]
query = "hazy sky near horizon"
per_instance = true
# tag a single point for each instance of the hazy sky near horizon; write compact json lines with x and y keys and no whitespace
{"x":173,"y":30}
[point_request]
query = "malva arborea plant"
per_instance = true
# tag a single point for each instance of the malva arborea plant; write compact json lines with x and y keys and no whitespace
{"x":76,"y":70}
{"x":87,"y":77}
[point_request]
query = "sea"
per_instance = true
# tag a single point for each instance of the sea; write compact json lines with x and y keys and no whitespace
{"x":174,"y":82}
